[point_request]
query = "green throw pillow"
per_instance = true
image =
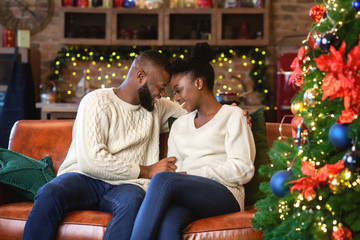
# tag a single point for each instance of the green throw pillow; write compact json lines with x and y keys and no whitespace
{"x":252,"y":192}
{"x":25,"y":175}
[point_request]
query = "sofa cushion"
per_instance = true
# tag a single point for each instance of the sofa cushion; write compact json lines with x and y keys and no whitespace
{"x":24,"y":174}
{"x":77,"y":225}
{"x":252,"y":192}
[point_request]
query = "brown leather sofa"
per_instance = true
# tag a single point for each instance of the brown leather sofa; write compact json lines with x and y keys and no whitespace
{"x":39,"y":138}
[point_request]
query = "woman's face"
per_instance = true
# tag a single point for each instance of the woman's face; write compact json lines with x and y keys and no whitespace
{"x":186,"y":91}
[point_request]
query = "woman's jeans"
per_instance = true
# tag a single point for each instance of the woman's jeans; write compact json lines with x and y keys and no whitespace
{"x":173,"y":200}
{"x":74,"y":191}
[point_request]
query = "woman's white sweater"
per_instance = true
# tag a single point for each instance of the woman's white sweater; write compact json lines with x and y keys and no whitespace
{"x":223,"y":149}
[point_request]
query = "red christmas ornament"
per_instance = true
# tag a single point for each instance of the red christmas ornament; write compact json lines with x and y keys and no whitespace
{"x":316,"y":12}
{"x":341,"y":233}
{"x":297,"y":81}
{"x":297,"y":75}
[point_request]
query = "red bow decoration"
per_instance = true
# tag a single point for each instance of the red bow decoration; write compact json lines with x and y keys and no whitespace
{"x":342,"y":79}
{"x":316,"y":12}
{"x":315,"y":177}
{"x":341,"y":233}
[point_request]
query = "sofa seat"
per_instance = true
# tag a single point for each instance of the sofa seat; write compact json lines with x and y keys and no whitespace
{"x":233,"y":226}
{"x":88,"y":225}
{"x":77,"y":225}
{"x":39,"y":138}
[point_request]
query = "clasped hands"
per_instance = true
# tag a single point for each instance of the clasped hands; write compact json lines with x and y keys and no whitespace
{"x":168,"y":164}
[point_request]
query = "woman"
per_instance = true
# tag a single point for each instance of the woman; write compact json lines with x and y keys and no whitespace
{"x":214,"y":149}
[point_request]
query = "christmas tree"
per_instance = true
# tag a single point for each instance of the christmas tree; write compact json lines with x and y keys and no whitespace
{"x":314,"y":187}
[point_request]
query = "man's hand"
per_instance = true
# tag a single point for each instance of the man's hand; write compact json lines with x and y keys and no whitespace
{"x":165,"y":164}
{"x":246,"y":114}
{"x":248,"y":118}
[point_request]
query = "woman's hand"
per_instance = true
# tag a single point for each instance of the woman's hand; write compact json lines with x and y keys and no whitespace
{"x":165,"y":164}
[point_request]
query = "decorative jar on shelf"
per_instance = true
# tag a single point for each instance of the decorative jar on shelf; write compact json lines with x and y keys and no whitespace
{"x":227,"y":91}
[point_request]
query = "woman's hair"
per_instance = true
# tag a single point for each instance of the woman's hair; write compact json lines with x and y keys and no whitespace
{"x":198,"y":65}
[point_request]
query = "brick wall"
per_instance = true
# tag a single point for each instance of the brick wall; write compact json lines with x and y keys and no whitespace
{"x":288,"y":17}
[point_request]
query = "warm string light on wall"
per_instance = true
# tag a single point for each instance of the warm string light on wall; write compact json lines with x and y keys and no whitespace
{"x":114,"y":59}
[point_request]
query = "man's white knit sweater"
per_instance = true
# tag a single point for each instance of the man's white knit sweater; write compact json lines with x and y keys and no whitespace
{"x":223,"y":149}
{"x":111,"y":137}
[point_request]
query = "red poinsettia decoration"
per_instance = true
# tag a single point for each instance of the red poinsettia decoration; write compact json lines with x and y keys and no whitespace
{"x":315,"y":177}
{"x":296,"y":77}
{"x":342,"y":79}
{"x":341,"y":233}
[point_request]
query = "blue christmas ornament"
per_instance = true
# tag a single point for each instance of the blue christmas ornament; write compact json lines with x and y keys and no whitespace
{"x":278,"y":180}
{"x":356,"y":5}
{"x":338,"y":135}
{"x":328,"y":39}
{"x":352,"y":161}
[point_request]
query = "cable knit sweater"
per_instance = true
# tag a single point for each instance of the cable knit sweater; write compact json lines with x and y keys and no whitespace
{"x":223,"y":149}
{"x":111,"y":137}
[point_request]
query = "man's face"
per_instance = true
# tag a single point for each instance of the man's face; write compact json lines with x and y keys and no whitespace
{"x":145,"y":97}
{"x":153,"y":88}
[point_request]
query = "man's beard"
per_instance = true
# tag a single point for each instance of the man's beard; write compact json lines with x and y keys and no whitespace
{"x":146,"y":101}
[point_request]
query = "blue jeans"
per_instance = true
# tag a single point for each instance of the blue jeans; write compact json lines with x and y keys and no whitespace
{"x":74,"y":191}
{"x":173,"y":200}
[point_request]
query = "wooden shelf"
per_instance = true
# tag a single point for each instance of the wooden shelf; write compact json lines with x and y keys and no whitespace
{"x":255,"y":19}
{"x":79,"y":26}
{"x":185,"y":26}
{"x":139,"y":20}
{"x":164,"y":26}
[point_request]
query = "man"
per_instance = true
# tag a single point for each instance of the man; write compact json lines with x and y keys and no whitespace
{"x":113,"y":154}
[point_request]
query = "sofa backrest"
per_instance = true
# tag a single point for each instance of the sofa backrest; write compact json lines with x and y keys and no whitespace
{"x":40,"y":138}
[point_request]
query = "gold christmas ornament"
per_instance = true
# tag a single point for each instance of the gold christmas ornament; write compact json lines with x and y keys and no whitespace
{"x":335,"y":183}
{"x":297,"y":108}
{"x":309,"y":97}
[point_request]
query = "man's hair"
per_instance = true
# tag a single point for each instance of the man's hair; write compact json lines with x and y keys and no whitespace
{"x":156,"y":58}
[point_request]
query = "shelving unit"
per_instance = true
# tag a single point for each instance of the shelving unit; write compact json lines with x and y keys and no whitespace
{"x":165,"y":26}
{"x":86,"y":26}
{"x":189,"y":26}
{"x":144,"y":26}
{"x":256,"y":21}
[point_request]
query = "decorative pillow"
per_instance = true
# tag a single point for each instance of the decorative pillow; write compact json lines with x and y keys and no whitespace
{"x":23,"y":174}
{"x":252,"y":192}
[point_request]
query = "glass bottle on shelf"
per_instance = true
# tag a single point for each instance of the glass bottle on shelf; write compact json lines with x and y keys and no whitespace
{"x":96,"y":3}
{"x":107,"y":3}
{"x":204,"y":3}
{"x":190,"y":3}
{"x":243,"y":33}
{"x":117,"y":3}
{"x":66,"y":3}
{"x":82,"y":3}
{"x":173,"y":3}
{"x":230,"y":3}
{"x":48,"y":92}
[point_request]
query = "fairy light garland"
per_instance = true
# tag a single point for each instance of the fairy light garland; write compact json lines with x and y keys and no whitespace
{"x":252,"y":57}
